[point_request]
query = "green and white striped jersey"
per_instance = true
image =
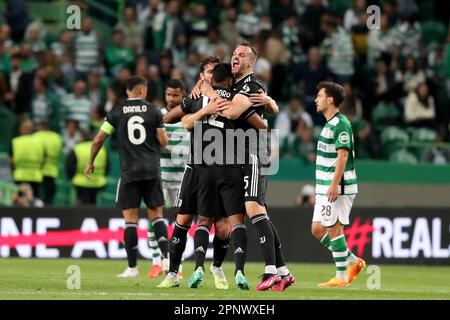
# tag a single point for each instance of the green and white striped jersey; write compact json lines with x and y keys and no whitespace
{"x":336,"y":134}
{"x":176,"y":154}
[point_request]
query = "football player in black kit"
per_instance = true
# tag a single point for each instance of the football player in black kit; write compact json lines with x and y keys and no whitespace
{"x":140,"y":133}
{"x":276,"y":274}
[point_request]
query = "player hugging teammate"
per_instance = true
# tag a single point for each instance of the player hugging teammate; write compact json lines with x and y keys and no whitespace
{"x":224,"y":187}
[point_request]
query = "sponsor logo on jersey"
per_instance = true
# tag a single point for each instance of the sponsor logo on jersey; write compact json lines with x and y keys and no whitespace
{"x":344,"y":138}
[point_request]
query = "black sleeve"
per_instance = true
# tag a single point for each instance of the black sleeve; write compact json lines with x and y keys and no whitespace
{"x":251,"y":87}
{"x":187,"y":105}
{"x":247,"y":113}
{"x":113,"y":118}
{"x":71,"y":164}
{"x":159,"y":119}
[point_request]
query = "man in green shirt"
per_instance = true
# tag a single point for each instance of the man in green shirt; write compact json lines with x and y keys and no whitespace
{"x":117,"y":56}
{"x":336,"y":184}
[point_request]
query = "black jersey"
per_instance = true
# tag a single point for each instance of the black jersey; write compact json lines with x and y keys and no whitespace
{"x":135,"y":123}
{"x":259,"y":146}
{"x":212,"y":140}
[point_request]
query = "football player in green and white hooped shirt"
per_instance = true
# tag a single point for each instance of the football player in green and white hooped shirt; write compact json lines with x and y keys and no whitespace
{"x":336,"y":184}
{"x":173,"y":160}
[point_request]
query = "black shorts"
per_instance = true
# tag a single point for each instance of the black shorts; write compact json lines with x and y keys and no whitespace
{"x":255,"y":184}
{"x":221,"y":191}
{"x":129,"y":194}
{"x":186,"y":202}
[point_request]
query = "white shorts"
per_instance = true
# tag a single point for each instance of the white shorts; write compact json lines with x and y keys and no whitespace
{"x":328,"y":213}
{"x":170,"y":191}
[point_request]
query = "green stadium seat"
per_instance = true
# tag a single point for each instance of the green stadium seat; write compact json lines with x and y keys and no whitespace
{"x":391,"y":138}
{"x":384,"y":114}
{"x":433,"y":32}
{"x":403,"y":156}
{"x":422,"y":134}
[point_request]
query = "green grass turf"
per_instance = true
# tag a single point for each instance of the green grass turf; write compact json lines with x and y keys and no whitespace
{"x":46,"y":279}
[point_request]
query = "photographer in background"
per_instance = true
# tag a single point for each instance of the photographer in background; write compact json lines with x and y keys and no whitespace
{"x":24,"y":197}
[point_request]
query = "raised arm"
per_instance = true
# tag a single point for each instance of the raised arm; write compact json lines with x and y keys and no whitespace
{"x":257,"y":122}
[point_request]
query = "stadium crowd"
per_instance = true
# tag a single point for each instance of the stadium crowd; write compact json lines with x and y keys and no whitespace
{"x":397,"y":77}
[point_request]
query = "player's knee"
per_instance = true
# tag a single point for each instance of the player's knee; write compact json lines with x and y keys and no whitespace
{"x":253,"y":208}
{"x":184,"y":219}
{"x":317,"y":230}
{"x":205,"y":221}
{"x":222,"y":229}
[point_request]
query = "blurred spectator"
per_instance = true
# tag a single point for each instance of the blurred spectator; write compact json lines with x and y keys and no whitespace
{"x":352,"y":15}
{"x":190,"y":69}
{"x":132,"y":30}
{"x":408,"y":39}
{"x":247,"y":22}
{"x":228,"y":29}
{"x":5,"y":36}
{"x":410,"y":75}
{"x":180,"y":50}
{"x":111,"y":100}
{"x":5,"y":59}
{"x":307,"y":77}
{"x":436,"y":154}
{"x":278,"y":56}
{"x":53,"y":144}
{"x":28,"y":60}
{"x":21,"y":86}
{"x":25,"y":198}
{"x":78,"y":106}
{"x":8,"y":123}
{"x":307,"y":197}
{"x":62,"y":45}
{"x":45,"y":107}
{"x":280,"y":10}
{"x":290,"y":33}
{"x":420,"y":108}
{"x":26,"y":157}
{"x":383,"y":82}
{"x":33,"y":37}
{"x":380,"y":42}
{"x":312,"y":20}
{"x":352,"y":108}
{"x":300,"y":145}
{"x":17,"y":18}
{"x":198,"y":25}
{"x":71,"y":135}
{"x":337,"y":48}
{"x":96,"y":88}
{"x":390,"y":10}
{"x":117,"y":56}
{"x":447,"y":63}
{"x":52,"y":67}
{"x":289,"y":119}
{"x":87,"y":49}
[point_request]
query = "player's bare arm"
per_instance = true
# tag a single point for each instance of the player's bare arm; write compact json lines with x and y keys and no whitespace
{"x":161,"y":135}
{"x":257,"y":122}
{"x":262,"y":99}
{"x":213,"y":107}
{"x":333,"y":190}
{"x":174,"y":115}
{"x":239,"y":105}
{"x":97,"y":144}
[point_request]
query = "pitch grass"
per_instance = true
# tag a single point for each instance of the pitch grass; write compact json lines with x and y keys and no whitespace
{"x":46,"y":279}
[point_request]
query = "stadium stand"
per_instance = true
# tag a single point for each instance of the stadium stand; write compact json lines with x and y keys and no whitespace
{"x":168,"y":43}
